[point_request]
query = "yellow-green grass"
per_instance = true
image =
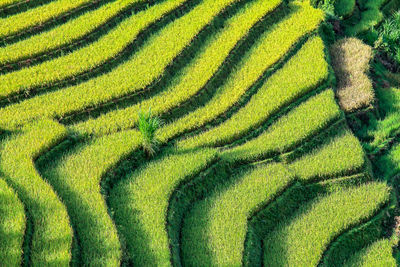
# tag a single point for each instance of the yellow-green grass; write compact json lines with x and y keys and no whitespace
{"x":299,"y":76}
{"x":12,"y":226}
{"x":303,"y":240}
{"x":36,"y":16}
{"x":77,"y":176}
{"x":192,"y":79}
{"x":141,"y":70}
{"x":64,"y":34}
{"x":376,"y":255}
{"x":342,"y":155}
{"x":214,"y":230}
{"x":52,"y":233}
{"x":290,"y":130}
{"x":270,"y":48}
{"x":4,"y":3}
{"x":140,"y":204}
{"x":87,"y":57}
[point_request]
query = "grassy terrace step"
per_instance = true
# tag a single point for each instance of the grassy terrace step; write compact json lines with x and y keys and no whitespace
{"x":271,"y":47}
{"x":88,"y":57}
{"x":192,"y":78}
{"x":214,"y":230}
{"x":76,"y":175}
{"x":302,"y":240}
{"x":300,"y":124}
{"x":12,"y":226}
{"x":65,"y":34}
{"x":341,"y":155}
{"x":140,"y":204}
{"x":378,"y":254}
{"x":290,"y":130}
{"x":299,"y":76}
{"x":140,"y":71}
{"x":36,"y":16}
{"x":52,"y":233}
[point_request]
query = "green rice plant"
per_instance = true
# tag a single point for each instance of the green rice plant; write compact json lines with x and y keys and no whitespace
{"x":65,"y":34}
{"x":377,"y":254}
{"x":87,"y":57}
{"x":141,"y":70}
{"x":140,"y":204}
{"x":76,"y":176}
{"x":12,"y":226}
{"x":193,"y":78}
{"x":214,"y":231}
{"x":299,"y":76}
{"x":270,"y":48}
{"x":302,"y":240}
{"x":342,"y":155}
{"x":13,"y":24}
{"x":148,"y":125}
{"x":290,"y":130}
{"x":52,"y":234}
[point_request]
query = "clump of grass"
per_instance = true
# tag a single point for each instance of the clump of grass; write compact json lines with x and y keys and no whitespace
{"x":350,"y":59}
{"x":148,"y":126}
{"x":389,"y":37}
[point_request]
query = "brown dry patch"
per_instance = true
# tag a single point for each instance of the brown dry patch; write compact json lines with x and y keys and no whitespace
{"x":350,"y":60}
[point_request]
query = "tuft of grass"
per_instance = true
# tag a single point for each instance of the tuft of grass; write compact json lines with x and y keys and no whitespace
{"x":148,"y":126}
{"x":350,"y":60}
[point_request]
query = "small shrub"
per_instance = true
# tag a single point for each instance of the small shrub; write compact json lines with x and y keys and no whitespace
{"x":148,"y":125}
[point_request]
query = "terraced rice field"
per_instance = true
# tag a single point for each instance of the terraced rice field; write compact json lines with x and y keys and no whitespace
{"x":256,"y":164}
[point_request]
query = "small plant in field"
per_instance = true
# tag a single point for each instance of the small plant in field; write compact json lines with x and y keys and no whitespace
{"x":148,"y":125}
{"x":389,"y":39}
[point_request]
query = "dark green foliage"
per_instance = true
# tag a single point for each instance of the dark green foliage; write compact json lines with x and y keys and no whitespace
{"x":148,"y":126}
{"x":389,"y":37}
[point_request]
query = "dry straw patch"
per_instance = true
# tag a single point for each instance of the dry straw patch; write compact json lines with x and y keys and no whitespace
{"x":350,"y":59}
